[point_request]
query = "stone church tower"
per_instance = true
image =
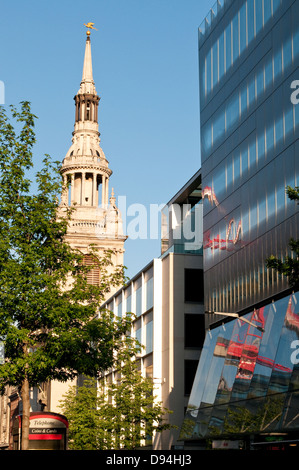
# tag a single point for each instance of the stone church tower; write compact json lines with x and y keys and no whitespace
{"x":96,"y":219}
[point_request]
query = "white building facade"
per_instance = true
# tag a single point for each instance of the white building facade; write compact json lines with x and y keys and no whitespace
{"x":166,"y":297}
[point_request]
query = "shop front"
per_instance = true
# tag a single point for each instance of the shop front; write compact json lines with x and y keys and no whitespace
{"x":47,"y":431}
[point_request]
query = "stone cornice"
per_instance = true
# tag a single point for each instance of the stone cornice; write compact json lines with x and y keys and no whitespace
{"x":88,"y":166}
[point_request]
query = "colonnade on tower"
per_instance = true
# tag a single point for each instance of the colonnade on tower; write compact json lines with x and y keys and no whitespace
{"x":85,"y":170}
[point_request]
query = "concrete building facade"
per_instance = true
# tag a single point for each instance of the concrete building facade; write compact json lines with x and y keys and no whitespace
{"x":167,"y":298}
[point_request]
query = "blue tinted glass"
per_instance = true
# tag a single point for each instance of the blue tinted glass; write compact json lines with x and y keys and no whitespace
{"x":202,"y":84}
{"x":287,"y":53}
{"x":251,"y":91}
{"x":252,"y":155}
{"x":138,"y":335}
{"x":128,"y":304}
{"x":276,"y":5}
{"x":149,"y":338}
{"x":237,"y":167}
{"x":288,"y":121}
{"x":277,"y":63}
{"x":215,"y":63}
{"x":259,"y":82}
{"x":219,"y":182}
{"x":232,"y":111}
{"x":242,"y":28}
{"x":208,"y":72}
{"x":221,"y":55}
{"x":253,"y":216}
{"x":228,"y":47}
{"x":250,"y":20}
{"x":235,"y":24}
{"x":206,"y":137}
{"x":267,"y":10}
{"x":270,"y":205}
{"x":244,"y":160}
{"x":270,"y":137}
{"x":138,"y":299}
{"x":229,"y":172}
{"x":243,"y":98}
{"x":268,"y":73}
{"x":278,"y":130}
{"x":261,"y":146}
{"x":262,"y":211}
{"x":218,"y":126}
{"x":258,"y":15}
{"x":149,"y":286}
{"x":296,"y":43}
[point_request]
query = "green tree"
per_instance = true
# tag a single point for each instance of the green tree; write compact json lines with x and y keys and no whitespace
{"x":118,"y":414}
{"x":289,"y":266}
{"x":48,"y":311}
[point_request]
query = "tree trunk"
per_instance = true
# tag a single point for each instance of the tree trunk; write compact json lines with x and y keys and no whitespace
{"x":26,"y":414}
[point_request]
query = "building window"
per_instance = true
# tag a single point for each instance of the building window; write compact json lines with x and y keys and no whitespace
{"x":93,"y":274}
{"x":193,"y":285}
{"x":194,"y":330}
{"x":190,"y":371}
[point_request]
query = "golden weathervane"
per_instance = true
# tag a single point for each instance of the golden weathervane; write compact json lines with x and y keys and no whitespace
{"x":89,"y":26}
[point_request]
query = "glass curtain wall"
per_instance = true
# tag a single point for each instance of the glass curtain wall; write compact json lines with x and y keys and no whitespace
{"x":249,"y":132}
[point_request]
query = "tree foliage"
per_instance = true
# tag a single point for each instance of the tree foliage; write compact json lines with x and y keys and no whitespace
{"x":289,"y":266}
{"x":119,"y":414}
{"x":48,"y":311}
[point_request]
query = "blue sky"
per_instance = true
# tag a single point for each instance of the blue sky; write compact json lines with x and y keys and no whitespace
{"x":145,"y":65}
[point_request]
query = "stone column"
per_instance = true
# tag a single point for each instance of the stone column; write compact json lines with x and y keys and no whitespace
{"x":103,"y":190}
{"x":83,"y":188}
{"x":107,"y":191}
{"x":72,"y":187}
{"x":94,"y":191}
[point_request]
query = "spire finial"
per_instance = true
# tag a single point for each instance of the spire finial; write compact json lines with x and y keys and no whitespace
{"x":89,"y":26}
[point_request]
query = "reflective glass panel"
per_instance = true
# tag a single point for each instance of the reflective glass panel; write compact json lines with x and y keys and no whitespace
{"x":138,"y":300}
{"x":235,"y":32}
{"x":246,"y":378}
{"x":242,"y":28}
{"x":221,"y":55}
{"x":287,"y":53}
{"x":258,"y":15}
{"x":228,"y":47}
{"x":250,"y":19}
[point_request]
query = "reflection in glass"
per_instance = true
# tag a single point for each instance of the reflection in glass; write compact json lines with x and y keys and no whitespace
{"x":221,"y":55}
{"x":258,"y":15}
{"x":287,"y":53}
{"x":138,"y":300}
{"x":228,"y":46}
{"x":235,"y":34}
{"x":246,"y":381}
{"x":242,"y":28}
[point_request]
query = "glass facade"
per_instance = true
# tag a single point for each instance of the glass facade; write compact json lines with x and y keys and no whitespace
{"x":247,"y":381}
{"x":249,"y":148}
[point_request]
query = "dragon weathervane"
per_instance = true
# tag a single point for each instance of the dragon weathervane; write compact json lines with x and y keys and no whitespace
{"x":89,"y":26}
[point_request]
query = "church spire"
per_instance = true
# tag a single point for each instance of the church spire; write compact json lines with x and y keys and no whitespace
{"x":85,"y":164}
{"x":87,"y":83}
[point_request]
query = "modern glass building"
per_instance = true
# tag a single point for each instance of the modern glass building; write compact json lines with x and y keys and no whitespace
{"x":246,"y":385}
{"x":249,"y":56}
